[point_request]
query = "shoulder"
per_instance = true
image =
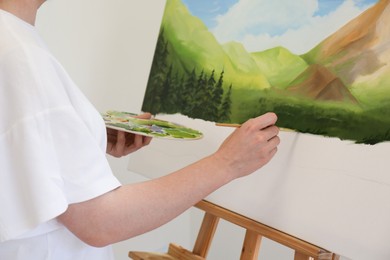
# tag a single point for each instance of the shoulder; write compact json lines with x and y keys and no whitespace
{"x":16,"y":33}
{"x":31,"y":80}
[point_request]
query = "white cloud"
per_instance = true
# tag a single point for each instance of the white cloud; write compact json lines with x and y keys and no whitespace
{"x":295,"y":26}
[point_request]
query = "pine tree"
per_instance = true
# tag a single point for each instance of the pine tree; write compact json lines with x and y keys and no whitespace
{"x":206,"y":102}
{"x":166,"y":92}
{"x":178,"y":94}
{"x":152,"y":99}
{"x":188,"y":94}
{"x":200,"y":92}
{"x":225,"y":111}
{"x":174,"y":94}
{"x":217,"y":94}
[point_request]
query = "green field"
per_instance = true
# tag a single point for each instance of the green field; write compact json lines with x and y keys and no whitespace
{"x":347,"y":122}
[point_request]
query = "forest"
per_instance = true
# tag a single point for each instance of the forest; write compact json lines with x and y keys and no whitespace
{"x":195,"y":94}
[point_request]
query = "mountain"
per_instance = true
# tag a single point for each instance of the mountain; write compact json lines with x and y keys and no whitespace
{"x":319,"y":83}
{"x":359,"y":53}
{"x":279,"y":65}
{"x":193,"y":46}
{"x":350,"y":65}
{"x":240,"y":58}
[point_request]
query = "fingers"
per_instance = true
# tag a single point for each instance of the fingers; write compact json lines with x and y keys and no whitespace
{"x":252,"y":145}
{"x":270,"y":155}
{"x":270,"y":132}
{"x":272,"y":145}
{"x":271,"y":138}
{"x":268,"y":141}
{"x":111,"y":135}
{"x":138,"y":142}
{"x":121,"y":143}
{"x":263,"y":128}
{"x":261,"y":122}
{"x":121,"y":139}
{"x":147,"y":140}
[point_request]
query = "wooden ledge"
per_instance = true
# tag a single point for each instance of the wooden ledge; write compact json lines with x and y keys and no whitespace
{"x":175,"y":252}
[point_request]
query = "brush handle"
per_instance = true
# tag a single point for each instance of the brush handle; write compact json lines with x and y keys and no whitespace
{"x":228,"y":125}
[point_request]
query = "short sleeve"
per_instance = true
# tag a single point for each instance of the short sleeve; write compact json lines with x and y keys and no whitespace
{"x":48,"y":161}
{"x":52,"y":140}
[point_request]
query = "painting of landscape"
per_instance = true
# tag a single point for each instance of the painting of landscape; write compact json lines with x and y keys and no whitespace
{"x":329,"y":78}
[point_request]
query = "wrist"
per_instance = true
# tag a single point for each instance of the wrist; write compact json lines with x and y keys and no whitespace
{"x":223,"y":166}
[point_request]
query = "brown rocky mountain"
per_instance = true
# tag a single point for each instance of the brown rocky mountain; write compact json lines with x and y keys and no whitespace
{"x":321,"y":84}
{"x":357,"y":52}
{"x":359,"y":47}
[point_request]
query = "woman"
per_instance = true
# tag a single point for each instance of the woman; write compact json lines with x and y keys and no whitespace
{"x":58,"y":195}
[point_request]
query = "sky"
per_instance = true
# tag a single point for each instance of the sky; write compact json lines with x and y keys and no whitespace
{"x":298,"y":25}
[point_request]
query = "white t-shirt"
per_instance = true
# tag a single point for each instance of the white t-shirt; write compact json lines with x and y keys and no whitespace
{"x":52,"y":150}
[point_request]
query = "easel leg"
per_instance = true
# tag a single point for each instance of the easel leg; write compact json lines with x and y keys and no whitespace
{"x":205,"y":235}
{"x":328,"y":256}
{"x":251,"y":246}
{"x":301,"y":256}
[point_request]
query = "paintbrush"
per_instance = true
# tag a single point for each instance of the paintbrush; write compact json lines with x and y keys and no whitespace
{"x":228,"y":125}
{"x":238,"y":125}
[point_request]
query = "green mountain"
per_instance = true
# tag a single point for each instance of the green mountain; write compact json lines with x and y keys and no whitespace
{"x":191,"y":46}
{"x":279,"y":65}
{"x":241,"y":60}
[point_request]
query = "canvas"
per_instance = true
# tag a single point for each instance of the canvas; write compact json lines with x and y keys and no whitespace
{"x":322,"y":66}
{"x":330,"y":192}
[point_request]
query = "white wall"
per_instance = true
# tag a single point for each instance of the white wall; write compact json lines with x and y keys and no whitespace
{"x":107,"y":48}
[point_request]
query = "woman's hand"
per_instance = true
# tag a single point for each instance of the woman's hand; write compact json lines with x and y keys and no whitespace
{"x":120,"y":143}
{"x":250,"y":147}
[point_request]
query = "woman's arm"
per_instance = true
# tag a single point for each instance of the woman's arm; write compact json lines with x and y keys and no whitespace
{"x":137,"y":208}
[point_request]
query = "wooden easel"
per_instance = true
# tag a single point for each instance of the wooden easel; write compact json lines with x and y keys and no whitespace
{"x":251,"y":246}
